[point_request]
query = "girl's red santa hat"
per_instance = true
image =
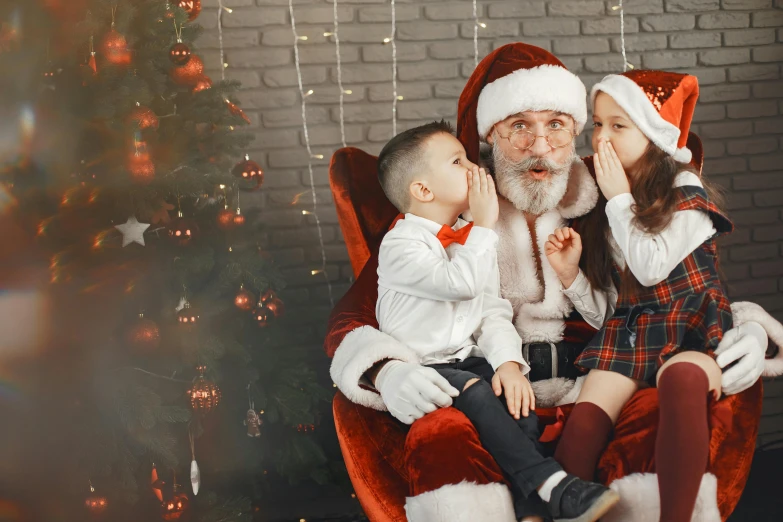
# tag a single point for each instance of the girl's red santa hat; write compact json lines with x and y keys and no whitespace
{"x":660,"y":103}
{"x":516,"y":78}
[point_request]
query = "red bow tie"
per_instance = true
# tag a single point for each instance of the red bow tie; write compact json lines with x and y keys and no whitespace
{"x":446,"y":235}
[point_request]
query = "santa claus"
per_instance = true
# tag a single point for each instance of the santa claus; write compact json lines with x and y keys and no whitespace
{"x":521,"y":111}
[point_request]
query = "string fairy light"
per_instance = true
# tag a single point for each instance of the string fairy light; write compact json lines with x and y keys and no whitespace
{"x":393,"y":41}
{"x":222,"y":8}
{"x":310,"y":155}
{"x":343,"y":92}
{"x":626,"y":64}
{"x":475,"y":34}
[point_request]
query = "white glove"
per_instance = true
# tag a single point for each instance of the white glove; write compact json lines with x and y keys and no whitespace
{"x":747,"y":345}
{"x":411,"y":390}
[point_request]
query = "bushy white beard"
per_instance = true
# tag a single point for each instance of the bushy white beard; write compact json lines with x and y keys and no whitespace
{"x":535,"y":196}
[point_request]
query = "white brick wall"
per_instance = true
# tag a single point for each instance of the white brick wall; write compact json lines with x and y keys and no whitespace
{"x":735,"y":47}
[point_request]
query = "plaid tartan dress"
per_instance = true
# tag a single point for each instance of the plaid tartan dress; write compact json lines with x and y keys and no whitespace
{"x":687,"y":311}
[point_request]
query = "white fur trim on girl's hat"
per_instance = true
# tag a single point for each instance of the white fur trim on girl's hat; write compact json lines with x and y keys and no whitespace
{"x":635,"y":102}
{"x":543,"y":88}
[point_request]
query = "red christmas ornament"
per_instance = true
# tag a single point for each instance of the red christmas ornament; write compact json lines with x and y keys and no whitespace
{"x":157,"y":484}
{"x":143,"y":117}
{"x":249,"y":170}
{"x":236,"y":111}
{"x":144,"y":335}
{"x":182,"y":230}
{"x":141,"y":168}
{"x":187,"y":316}
{"x":190,"y":73}
{"x":225,"y":218}
{"x":179,"y":54}
{"x":244,"y":299}
{"x":176,"y":506}
{"x":202,"y":84}
{"x":273,"y":303}
{"x":115,"y":48}
{"x":262,"y":315}
{"x":204,"y":395}
{"x":96,"y":504}
{"x":192,"y":7}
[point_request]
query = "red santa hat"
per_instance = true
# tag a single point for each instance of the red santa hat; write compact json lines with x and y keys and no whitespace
{"x":515,"y":78}
{"x":660,"y":103}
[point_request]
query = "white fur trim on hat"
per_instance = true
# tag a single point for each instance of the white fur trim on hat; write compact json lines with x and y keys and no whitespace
{"x":542,"y":88}
{"x":640,"y":109}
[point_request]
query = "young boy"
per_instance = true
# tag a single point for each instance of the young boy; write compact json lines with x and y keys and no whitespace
{"x":439,"y":293}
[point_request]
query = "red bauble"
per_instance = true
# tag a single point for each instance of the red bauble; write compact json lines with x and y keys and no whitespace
{"x":179,"y":54}
{"x":182,"y":230}
{"x":204,"y":395}
{"x":141,"y":168}
{"x":192,"y":7}
{"x":262,"y":316}
{"x":249,"y":170}
{"x":202,"y":84}
{"x":175,"y":507}
{"x":143,"y":117}
{"x":190,"y":73}
{"x":244,"y":299}
{"x":236,"y":111}
{"x":187,"y":316}
{"x":143,"y":335}
{"x":273,"y":303}
{"x":225,"y":218}
{"x":239,"y":219}
{"x":115,"y":48}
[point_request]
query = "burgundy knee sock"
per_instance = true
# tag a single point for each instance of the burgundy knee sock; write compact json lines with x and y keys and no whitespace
{"x":683,"y":443}
{"x":585,"y":436}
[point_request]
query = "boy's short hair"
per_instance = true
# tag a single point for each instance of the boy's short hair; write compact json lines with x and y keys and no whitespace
{"x":403,"y":158}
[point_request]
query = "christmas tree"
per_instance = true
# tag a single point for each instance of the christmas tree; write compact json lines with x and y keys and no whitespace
{"x":158,"y":357}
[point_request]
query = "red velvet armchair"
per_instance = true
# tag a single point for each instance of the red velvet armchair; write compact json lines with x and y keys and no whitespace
{"x":389,"y":461}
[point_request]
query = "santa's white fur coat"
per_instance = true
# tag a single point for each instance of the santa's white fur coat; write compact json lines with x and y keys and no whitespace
{"x":539,"y":312}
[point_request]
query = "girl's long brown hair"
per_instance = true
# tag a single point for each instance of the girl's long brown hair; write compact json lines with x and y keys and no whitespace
{"x":656,"y":202}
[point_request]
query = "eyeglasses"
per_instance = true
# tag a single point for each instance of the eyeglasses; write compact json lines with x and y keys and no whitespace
{"x":523,"y":139}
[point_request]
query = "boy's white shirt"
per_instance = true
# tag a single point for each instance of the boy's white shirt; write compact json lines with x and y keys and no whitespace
{"x":650,"y":257}
{"x":445,"y":304}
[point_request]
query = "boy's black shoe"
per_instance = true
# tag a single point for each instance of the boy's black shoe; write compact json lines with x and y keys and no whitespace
{"x":576,"y":500}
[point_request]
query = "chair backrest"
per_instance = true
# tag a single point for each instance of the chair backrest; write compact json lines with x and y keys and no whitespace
{"x":363,"y":211}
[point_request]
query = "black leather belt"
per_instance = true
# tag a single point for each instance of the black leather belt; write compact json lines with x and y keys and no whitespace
{"x":549,"y":360}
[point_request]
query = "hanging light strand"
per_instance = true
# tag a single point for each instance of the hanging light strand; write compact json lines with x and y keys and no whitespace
{"x":475,"y":34}
{"x":626,"y":64}
{"x":394,"y":66}
{"x":336,"y":35}
{"x":310,"y":154}
{"x":220,"y":38}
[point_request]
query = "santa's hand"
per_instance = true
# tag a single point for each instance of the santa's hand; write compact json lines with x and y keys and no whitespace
{"x":741,"y":344}
{"x":563,"y":249}
{"x":411,"y":390}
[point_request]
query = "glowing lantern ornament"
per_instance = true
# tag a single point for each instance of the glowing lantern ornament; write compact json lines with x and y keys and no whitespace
{"x":187,"y":315}
{"x":96,"y":504}
{"x":204,"y":395}
{"x":244,"y":299}
{"x":182,"y":230}
{"x":248,"y":169}
{"x":179,"y":54}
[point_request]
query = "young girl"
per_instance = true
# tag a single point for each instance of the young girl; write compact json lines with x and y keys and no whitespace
{"x":653,"y":251}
